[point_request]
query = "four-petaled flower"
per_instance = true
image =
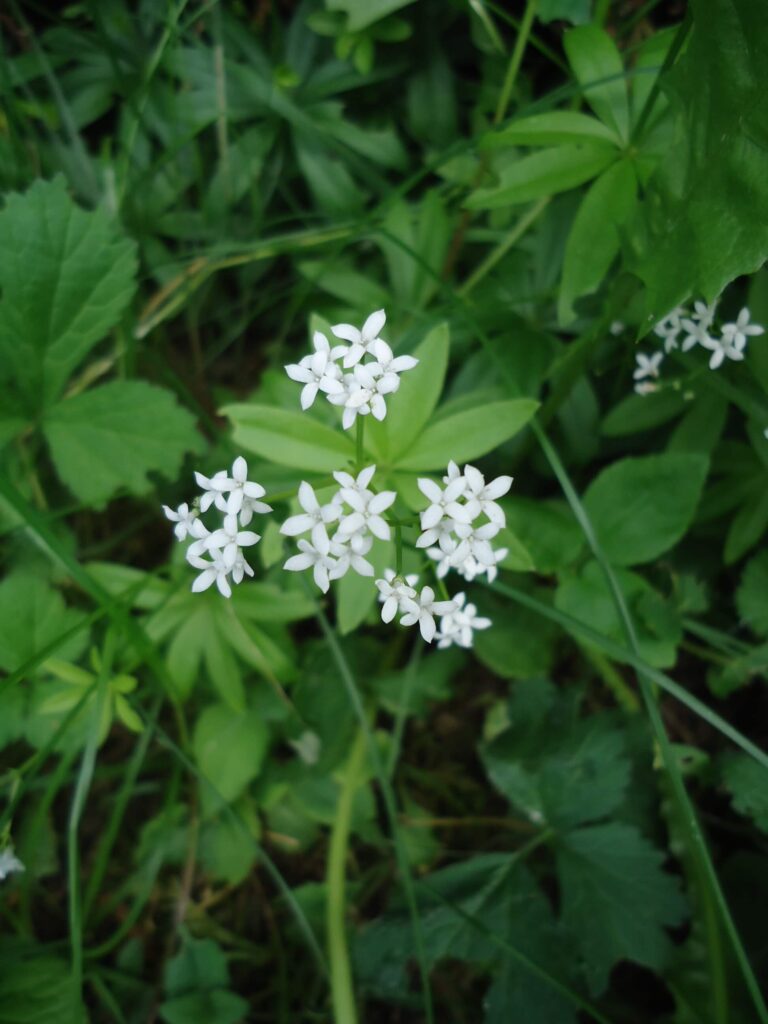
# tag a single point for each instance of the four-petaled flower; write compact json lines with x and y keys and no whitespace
{"x":393,"y":591}
{"x":366,"y":512}
{"x":9,"y":863}
{"x":647,"y":366}
{"x":184,"y":518}
{"x":317,"y":372}
{"x":317,"y":557}
{"x":229,"y":539}
{"x":361,"y":339}
{"x":423,"y":609}
{"x":738,"y":332}
{"x":315,"y":516}
{"x":459,"y":625}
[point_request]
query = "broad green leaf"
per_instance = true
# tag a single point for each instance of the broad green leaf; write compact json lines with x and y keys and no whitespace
{"x":747,"y":782}
{"x":199,"y":965}
{"x":543,"y":174}
{"x":645,"y":72}
{"x":554,"y":766}
{"x":641,"y":507}
{"x":110,"y":438}
{"x":617,"y":899}
{"x":32,"y":616}
{"x":229,"y":748}
{"x":586,"y":596}
{"x":412,"y":405}
{"x":227,"y":851}
{"x":356,"y":595}
{"x":520,"y":644}
{"x":598,"y":67}
{"x":362,"y":13}
{"x":468,"y":435}
{"x":595,"y":235}
{"x":66,"y":277}
{"x":289,"y":438}
{"x":518,"y":557}
{"x":575,"y":11}
{"x":547,"y":529}
{"x":219,"y":1005}
{"x":702,"y":426}
{"x":748,"y":525}
{"x":551,"y":129}
{"x":706,"y":221}
{"x":643,"y":412}
{"x":752,"y":595}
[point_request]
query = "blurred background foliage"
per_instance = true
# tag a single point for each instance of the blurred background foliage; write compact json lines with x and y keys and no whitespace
{"x":187,"y":187}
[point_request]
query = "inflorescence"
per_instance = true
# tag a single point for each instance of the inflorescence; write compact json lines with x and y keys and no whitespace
{"x":457,"y":527}
{"x":685,"y":329}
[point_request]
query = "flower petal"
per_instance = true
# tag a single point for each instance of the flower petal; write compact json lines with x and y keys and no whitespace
{"x":373,"y":325}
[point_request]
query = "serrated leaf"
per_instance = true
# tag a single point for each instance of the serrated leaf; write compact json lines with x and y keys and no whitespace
{"x":229,"y":748}
{"x":747,"y":782}
{"x":32,"y":616}
{"x":111,"y":437}
{"x":554,"y":766}
{"x":66,"y":277}
{"x":37,"y":987}
{"x":641,"y":507}
{"x":289,"y":438}
{"x":467,"y":435}
{"x":616,"y":899}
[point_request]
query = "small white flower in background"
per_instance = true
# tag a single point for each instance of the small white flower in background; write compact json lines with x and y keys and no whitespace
{"x":617,"y":328}
{"x":696,"y":333}
{"x":669,"y":328}
{"x":645,"y":387}
{"x":213,"y":490}
{"x":241,"y":568}
{"x":9,"y":863}
{"x":481,"y":496}
{"x":349,"y":552}
{"x":722,"y":348}
{"x":647,"y":366}
{"x":243,"y":491}
{"x":735,"y":335}
{"x":184,"y":518}
{"x":388,"y":364}
{"x":361,"y":340}
{"x":308,"y":747}
{"x":459,"y":625}
{"x":214,"y":571}
{"x":366,"y":513}
{"x":704,"y":313}
{"x":393,"y":591}
{"x":315,"y":516}
{"x":423,"y":610}
{"x":444,"y":504}
{"x":317,"y":558}
{"x":229,"y":539}
{"x":358,"y":483}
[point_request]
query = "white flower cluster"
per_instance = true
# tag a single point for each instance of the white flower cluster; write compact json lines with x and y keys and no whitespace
{"x":355,"y":511}
{"x":684,"y":329}
{"x":450,"y":531}
{"x":458,"y":620}
{"x":218,"y":554}
{"x":361,"y":390}
{"x":9,"y":863}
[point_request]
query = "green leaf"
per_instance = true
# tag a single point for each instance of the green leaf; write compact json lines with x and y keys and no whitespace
{"x":229,"y":748}
{"x":66,"y":277}
{"x":37,"y":987}
{"x":598,"y":67}
{"x":112,"y":436}
{"x":616,"y":899}
{"x":752,"y":595}
{"x":520,"y":644}
{"x":289,"y":438}
{"x":217,"y":1005}
{"x":595,"y":236}
{"x":747,"y":782}
{"x":362,"y":13}
{"x":551,"y":129}
{"x":586,"y":596}
{"x":552,"y":765}
{"x":547,"y":529}
{"x":575,"y":11}
{"x":748,"y":525}
{"x":468,"y":435}
{"x":199,"y":965}
{"x":412,"y":405}
{"x":356,"y":595}
{"x":543,"y":174}
{"x":706,"y":219}
{"x":642,"y":412}
{"x":32,"y":616}
{"x":641,"y":507}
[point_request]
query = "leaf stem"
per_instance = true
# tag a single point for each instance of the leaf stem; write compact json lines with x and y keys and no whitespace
{"x":359,"y":436}
{"x":500,"y":251}
{"x":398,"y":550}
{"x":342,"y":991}
{"x":515,"y":60}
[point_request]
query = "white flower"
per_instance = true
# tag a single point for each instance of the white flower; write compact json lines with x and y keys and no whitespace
{"x":215,"y":571}
{"x":423,"y":610}
{"x":318,"y":558}
{"x":387,"y":364}
{"x":361,"y":340}
{"x":444,"y":504}
{"x":315,"y":516}
{"x":9,"y":863}
{"x":670,"y":327}
{"x":243,"y":492}
{"x":366,"y":512}
{"x":229,"y":539}
{"x":240,"y":568}
{"x":647,"y":366}
{"x":317,"y":372}
{"x":359,"y":483}
{"x":704,"y":313}
{"x":442,"y":534}
{"x":458,"y":626}
{"x":349,"y":552}
{"x":213,"y":490}
{"x":393,"y":591}
{"x":617,"y":328}
{"x":453,"y":473}
{"x":481,"y":496}
{"x":645,"y":387}
{"x":722,"y":348}
{"x":697,"y":325}
{"x":184,"y":519}
{"x":737,"y":333}
{"x":443,"y":559}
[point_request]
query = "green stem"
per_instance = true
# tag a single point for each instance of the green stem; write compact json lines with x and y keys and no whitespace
{"x":398,"y":550}
{"x":359,"y":436}
{"x":500,"y":251}
{"x":611,"y":678}
{"x":515,"y":60}
{"x":342,"y":992}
